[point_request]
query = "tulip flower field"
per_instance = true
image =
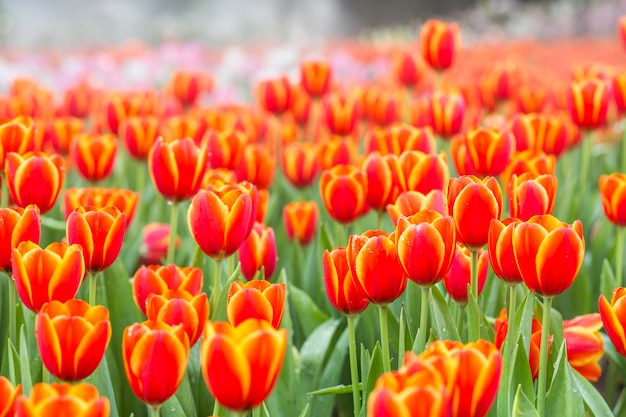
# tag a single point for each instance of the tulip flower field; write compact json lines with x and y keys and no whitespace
{"x":416,"y":228}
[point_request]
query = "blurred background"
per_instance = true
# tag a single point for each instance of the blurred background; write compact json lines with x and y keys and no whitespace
{"x":78,"y":23}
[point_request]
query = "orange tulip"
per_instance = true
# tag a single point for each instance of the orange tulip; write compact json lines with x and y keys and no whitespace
{"x":62,"y":131}
{"x":124,"y":200}
{"x":8,"y":397}
{"x":315,"y":77}
{"x":531,"y":98}
{"x":376,"y":267}
{"x":446,"y":113}
{"x":263,"y":199}
{"x":344,"y":192}
{"x":458,"y":277}
{"x":94,"y":155}
{"x":502,"y":80}
{"x":474,"y":203}
{"x":258,"y":166}
{"x":17,"y":225}
{"x":613,"y":194}
{"x":275,"y":95}
{"x":426,"y":245}
{"x":614,"y":319}
{"x":138,"y":134}
{"x":44,"y":275}
{"x":585,"y":346}
{"x":337,"y":150}
{"x":80,"y":400}
{"x":619,"y":91}
{"x":258,"y":251}
{"x":539,"y":133}
{"x":549,"y":253}
{"x":385,"y":108}
{"x":155,"y":360}
{"x":241,"y":364}
{"x":488,"y":150}
{"x":422,"y":172}
{"x":257,"y":299}
{"x":527,"y":161}
{"x":78,"y":99}
{"x":400,"y":137}
{"x":180,"y":126}
{"x":177,"y":168}
{"x":100,"y":232}
{"x":119,"y":106}
{"x":225,"y":149}
{"x":300,"y":163}
{"x":220,"y":219}
{"x":72,"y":338}
{"x":408,"y":69}
{"x":588,"y":101}
{"x":501,"y":253}
{"x":382,"y":179}
{"x":530,"y":196}
{"x":17,"y":135}
{"x":34,"y":178}
{"x":300,"y":220}
{"x":342,"y":292}
{"x":156,"y":279}
{"x":188,"y":85}
{"x":410,"y":202}
{"x":439,"y":42}
{"x":179,"y":307}
{"x":341,"y":113}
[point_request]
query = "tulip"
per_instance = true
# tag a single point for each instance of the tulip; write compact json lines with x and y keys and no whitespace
{"x":155,"y":360}
{"x":300,"y":163}
{"x":619,"y":92}
{"x":80,"y":400}
{"x":422,"y":172}
{"x":446,"y":113}
{"x":315,"y":77}
{"x":78,"y":99}
{"x":531,"y":98}
{"x":539,"y":133}
{"x":502,"y":80}
{"x":400,"y":137}
{"x":408,"y":69}
{"x":72,"y":338}
{"x":257,"y":166}
{"x":8,"y":397}
{"x":124,"y":200}
{"x":188,"y":85}
{"x":61,"y":132}
{"x":179,"y":307}
{"x":17,"y":225}
{"x":584,"y":344}
{"x":614,"y":319}
{"x":588,"y":101}
{"x":459,"y":274}
{"x":34,"y":178}
{"x":241,"y":364}
{"x":257,"y":299}
{"x":300,"y":220}
{"x":341,"y":113}
{"x":337,"y":150}
{"x":119,"y":106}
{"x":489,"y":150}
{"x":527,"y":161}
{"x":621,"y":29}
{"x":410,"y":202}
{"x":439,"y":42}
{"x":17,"y":135}
{"x":530,"y":196}
{"x":138,"y":134}
{"x":258,"y":251}
{"x":385,"y":109}
{"x":225,"y":149}
{"x":275,"y":95}
{"x":473,"y":204}
{"x":344,"y":192}
{"x":501,"y":252}
{"x":155,"y":239}
{"x":94,"y":155}
{"x":613,"y":194}
{"x":44,"y":275}
{"x":177,"y":168}
{"x":382,"y":184}
{"x":342,"y":292}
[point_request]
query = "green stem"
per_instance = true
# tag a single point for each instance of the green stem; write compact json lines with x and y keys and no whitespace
{"x":511,"y":332}
{"x":93,"y":281}
{"x":354,"y":372}
{"x":45,"y":375}
{"x":217,"y":285}
{"x":421,"y":334}
{"x":171,"y":247}
{"x":543,"y":356}
{"x":384,"y":337}
{"x":623,"y":165}
{"x":584,"y":162}
{"x":12,"y":312}
{"x":4,"y":197}
{"x":154,"y":411}
{"x":474,"y":290}
{"x":619,"y":256}
{"x":256,"y":412}
{"x":197,"y":260}
{"x":217,"y":409}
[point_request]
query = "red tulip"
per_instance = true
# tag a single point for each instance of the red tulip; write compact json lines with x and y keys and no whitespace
{"x":344,"y":192}
{"x":530,"y":195}
{"x":300,"y":220}
{"x":458,"y":277}
{"x":8,"y":397}
{"x":17,"y":225}
{"x":315,"y":77}
{"x":178,"y":307}
{"x":257,"y":299}
{"x":613,"y":195}
{"x":439,"y":43}
{"x":342,"y":292}
{"x":80,"y":400}
{"x":588,"y":101}
{"x":258,"y":251}
{"x":614,"y":318}
{"x":94,"y":155}
{"x":501,"y":252}
{"x":410,"y":202}
{"x":585,"y":346}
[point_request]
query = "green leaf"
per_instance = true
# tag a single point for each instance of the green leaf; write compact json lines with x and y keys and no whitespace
{"x":594,"y":401}
{"x":522,"y":406}
{"x":306,"y":312}
{"x":173,"y":408}
{"x":27,"y":379}
{"x":375,"y":370}
{"x":473,"y":314}
{"x":315,"y":350}
{"x":185,"y":396}
{"x":445,"y":328}
{"x":220,"y":313}
{"x":337,"y":389}
{"x":326,"y":239}
{"x":102,"y":380}
{"x":563,"y":398}
{"x":304,"y":411}
{"x":607,"y":279}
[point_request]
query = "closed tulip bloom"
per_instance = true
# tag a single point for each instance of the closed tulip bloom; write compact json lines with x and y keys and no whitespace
{"x":341,"y":113}
{"x":80,"y":400}
{"x":34,"y":178}
{"x":17,"y":225}
{"x":100,"y":232}
{"x":275,"y":95}
{"x":225,"y":149}
{"x":408,"y":69}
{"x":501,"y":252}
{"x":446,"y":111}
{"x":338,"y":150}
{"x":94,"y":155}
{"x":188,"y":85}
{"x":410,"y":202}
{"x":501,"y":327}
{"x":613,"y":195}
{"x":124,"y":200}
{"x":138,"y":134}
{"x":549,"y":253}
{"x":177,"y":168}
{"x":376,"y":267}
{"x":382,"y":173}
{"x":344,"y":192}
{"x":181,"y":126}
{"x":458,"y":277}
{"x":588,"y":102}
{"x":474,"y":203}
{"x":342,"y":292}
{"x":157,"y":279}
{"x":300,"y":163}
{"x":426,"y":245}
{"x":179,"y":307}
{"x":585,"y":346}
{"x":614,"y":318}
{"x":315,"y":77}
{"x":241,"y":364}
{"x":400,"y":137}
{"x":619,"y":92}
{"x":530,"y":195}
{"x":72,"y":338}
{"x":8,"y":397}
{"x":257,"y":299}
{"x":300,"y":220}
{"x":44,"y":275}
{"x":155,"y":358}
{"x":154,"y":242}
{"x":423,"y":172}
{"x":258,"y":166}
{"x":61,"y":132}
{"x":527,"y":161}
{"x":258,"y":251}
{"x":539,"y":133}
{"x":17,"y":135}
{"x":439,"y":42}
{"x":489,"y":150}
